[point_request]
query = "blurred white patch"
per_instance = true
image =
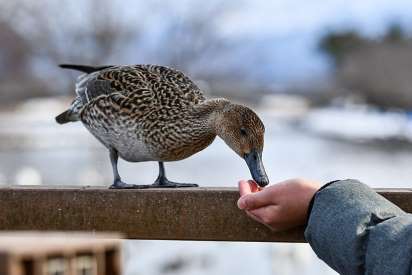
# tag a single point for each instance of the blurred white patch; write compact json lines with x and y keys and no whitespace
{"x":296,"y":259}
{"x":358,"y":123}
{"x":284,"y":105}
{"x":196,"y":258}
{"x":35,"y":107}
{"x":28,"y":176}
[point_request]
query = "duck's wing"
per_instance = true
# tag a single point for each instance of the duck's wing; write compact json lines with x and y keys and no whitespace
{"x":146,"y":84}
{"x":170,"y":86}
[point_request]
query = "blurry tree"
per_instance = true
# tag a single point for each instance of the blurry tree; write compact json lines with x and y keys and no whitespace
{"x":188,"y":35}
{"x":46,"y":33}
{"x":337,"y":45}
{"x":73,"y":31}
{"x":377,"y":69}
{"x":191,"y":37}
{"x":15,"y":58}
{"x":14,"y":53}
{"x":395,"y":33}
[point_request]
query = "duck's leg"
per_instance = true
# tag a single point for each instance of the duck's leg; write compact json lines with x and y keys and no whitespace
{"x":117,"y":182}
{"x":163,"y":182}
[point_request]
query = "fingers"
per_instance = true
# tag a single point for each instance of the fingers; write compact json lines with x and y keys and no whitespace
{"x":254,"y":186}
{"x":244,"y":188}
{"x":251,"y":199}
{"x":247,"y":187}
{"x":266,"y":214}
{"x":280,"y":206}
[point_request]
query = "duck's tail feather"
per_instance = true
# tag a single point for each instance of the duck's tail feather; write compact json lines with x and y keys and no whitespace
{"x":84,"y":68}
{"x":67,"y":116}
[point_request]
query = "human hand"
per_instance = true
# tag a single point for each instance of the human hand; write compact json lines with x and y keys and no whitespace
{"x":280,"y":206}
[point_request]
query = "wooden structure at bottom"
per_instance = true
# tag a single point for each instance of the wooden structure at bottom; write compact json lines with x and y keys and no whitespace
{"x":59,"y":254}
{"x":204,"y":214}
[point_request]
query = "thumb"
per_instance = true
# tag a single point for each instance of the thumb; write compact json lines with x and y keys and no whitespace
{"x":255,"y":200}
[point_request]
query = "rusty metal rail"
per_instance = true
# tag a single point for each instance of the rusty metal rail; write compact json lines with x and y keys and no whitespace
{"x":172,"y":214}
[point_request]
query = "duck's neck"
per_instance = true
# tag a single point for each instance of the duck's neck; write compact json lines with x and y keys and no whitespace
{"x":210,"y":112}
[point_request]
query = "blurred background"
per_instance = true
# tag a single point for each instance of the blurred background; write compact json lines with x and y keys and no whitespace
{"x":332,"y":81}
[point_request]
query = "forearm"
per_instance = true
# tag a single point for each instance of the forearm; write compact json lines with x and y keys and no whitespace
{"x":357,"y":231}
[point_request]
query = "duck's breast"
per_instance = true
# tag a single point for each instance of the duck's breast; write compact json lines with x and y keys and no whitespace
{"x":116,"y":128}
{"x":127,"y":142}
{"x":132,"y":148}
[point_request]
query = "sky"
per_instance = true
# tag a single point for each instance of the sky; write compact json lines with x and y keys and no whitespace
{"x":297,"y":16}
{"x":294,"y":26}
{"x":285,"y":33}
{"x":282,"y":35}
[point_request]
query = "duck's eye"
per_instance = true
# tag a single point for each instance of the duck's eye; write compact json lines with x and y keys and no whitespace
{"x":243,"y":131}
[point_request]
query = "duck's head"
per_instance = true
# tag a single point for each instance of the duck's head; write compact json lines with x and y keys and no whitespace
{"x":243,"y":132}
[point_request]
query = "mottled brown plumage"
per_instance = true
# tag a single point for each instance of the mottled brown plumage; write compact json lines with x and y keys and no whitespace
{"x":155,"y":113}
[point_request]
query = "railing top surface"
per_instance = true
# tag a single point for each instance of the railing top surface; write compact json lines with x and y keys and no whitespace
{"x":205,"y":213}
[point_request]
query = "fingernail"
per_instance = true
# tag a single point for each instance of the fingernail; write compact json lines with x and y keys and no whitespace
{"x":241,"y":203}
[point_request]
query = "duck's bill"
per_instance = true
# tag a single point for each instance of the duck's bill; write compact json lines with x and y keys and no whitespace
{"x":255,"y":164}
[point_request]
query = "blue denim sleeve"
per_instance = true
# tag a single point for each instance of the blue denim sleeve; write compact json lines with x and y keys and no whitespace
{"x":357,"y":231}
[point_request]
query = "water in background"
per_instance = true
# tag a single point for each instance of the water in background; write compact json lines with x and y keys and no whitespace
{"x":35,"y":150}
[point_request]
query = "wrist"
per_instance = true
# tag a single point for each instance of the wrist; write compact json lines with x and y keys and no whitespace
{"x":312,"y":201}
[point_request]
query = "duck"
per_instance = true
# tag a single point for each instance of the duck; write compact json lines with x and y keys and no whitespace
{"x":157,"y":113}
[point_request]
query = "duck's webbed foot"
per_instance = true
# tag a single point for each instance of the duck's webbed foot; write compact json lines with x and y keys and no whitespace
{"x":118,"y":184}
{"x":163,"y":182}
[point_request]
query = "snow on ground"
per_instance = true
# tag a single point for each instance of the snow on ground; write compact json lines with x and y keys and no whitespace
{"x":359,"y":124}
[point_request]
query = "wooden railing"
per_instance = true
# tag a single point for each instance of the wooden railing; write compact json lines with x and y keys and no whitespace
{"x":173,"y":214}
